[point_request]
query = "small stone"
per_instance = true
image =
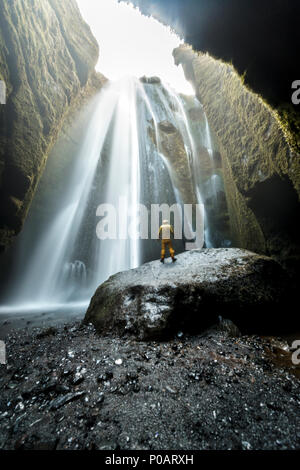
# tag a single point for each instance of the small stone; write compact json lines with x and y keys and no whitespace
{"x":12,"y":385}
{"x":170,"y":389}
{"x":58,"y":402}
{"x":100,"y":398}
{"x":246,"y":445}
{"x":20,"y":406}
{"x":78,"y":379}
{"x":119,"y":362}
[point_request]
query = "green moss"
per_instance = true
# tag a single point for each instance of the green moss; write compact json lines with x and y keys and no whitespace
{"x":290,"y":121}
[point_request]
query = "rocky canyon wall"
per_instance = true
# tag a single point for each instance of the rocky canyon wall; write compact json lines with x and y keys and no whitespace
{"x":261,"y":170}
{"x":259,"y":37}
{"x":47,"y":60}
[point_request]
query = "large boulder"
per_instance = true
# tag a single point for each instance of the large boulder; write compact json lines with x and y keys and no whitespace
{"x":157,"y":300}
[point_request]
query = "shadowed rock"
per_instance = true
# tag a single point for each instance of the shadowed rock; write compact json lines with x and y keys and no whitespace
{"x":47,"y":55}
{"x":155,"y":301}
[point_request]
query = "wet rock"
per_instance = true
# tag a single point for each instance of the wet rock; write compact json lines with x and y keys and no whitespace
{"x":78,"y":379}
{"x":100,"y":398}
{"x":171,"y":390}
{"x":61,"y":401}
{"x":227,"y":326}
{"x":47,"y":332}
{"x":108,"y":374}
{"x":150,"y":80}
{"x":152,"y":301}
{"x":167,"y":127}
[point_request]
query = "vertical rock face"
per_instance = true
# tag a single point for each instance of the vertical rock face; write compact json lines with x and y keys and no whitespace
{"x":47,"y":59}
{"x":173,"y":147}
{"x":261,"y":171}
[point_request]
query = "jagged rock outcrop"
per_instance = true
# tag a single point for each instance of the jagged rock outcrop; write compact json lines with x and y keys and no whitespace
{"x":154,"y":300}
{"x":261,"y":171}
{"x":47,"y":57}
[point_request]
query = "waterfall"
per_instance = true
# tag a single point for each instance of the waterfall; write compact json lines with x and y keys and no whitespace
{"x":121,"y":162}
{"x":123,"y":184}
{"x":42,"y":277}
{"x":208,"y":142}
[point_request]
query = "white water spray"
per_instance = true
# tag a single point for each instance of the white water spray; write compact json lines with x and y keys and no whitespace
{"x":136,"y":171}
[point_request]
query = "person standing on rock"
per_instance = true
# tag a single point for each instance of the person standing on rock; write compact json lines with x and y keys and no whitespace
{"x":164,"y":234}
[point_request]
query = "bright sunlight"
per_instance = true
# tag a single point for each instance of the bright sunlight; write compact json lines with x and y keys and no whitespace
{"x":133,"y":44}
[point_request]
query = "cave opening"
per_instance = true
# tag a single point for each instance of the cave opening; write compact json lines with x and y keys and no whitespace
{"x":113,"y":124}
{"x":147,"y":137}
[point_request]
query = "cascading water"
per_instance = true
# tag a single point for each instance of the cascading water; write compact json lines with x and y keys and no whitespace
{"x":121,"y":160}
{"x":42,"y":279}
{"x":123,"y":186}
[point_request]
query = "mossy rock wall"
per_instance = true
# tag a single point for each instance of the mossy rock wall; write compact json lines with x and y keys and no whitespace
{"x":259,"y":37}
{"x":47,"y":60}
{"x":261,"y":170}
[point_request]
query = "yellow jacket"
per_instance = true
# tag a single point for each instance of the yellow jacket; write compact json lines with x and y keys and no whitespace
{"x":165,"y":231}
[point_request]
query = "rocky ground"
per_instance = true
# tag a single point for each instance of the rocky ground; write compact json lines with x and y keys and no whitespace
{"x":66,"y":387}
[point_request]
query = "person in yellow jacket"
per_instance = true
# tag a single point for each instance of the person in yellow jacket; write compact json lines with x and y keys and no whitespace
{"x":164,"y":234}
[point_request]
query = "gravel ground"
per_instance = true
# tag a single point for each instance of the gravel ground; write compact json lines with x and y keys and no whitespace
{"x":68,"y":388}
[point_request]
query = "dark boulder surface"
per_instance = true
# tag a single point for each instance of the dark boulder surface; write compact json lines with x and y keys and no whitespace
{"x":156,"y":300}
